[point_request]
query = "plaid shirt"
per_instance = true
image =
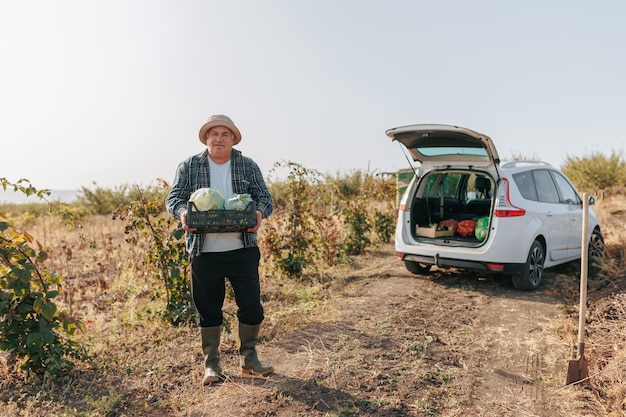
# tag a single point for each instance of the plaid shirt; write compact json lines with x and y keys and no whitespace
{"x":193,"y":173}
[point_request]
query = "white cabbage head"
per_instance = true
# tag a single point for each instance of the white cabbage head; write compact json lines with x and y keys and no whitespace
{"x":207,"y":199}
{"x":238,"y":202}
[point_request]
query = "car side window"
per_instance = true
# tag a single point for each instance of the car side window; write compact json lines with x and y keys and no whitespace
{"x":568,"y":193}
{"x":526,"y":185}
{"x":546,"y":188}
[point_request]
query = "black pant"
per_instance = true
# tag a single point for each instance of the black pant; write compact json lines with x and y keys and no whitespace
{"x":208,"y":285}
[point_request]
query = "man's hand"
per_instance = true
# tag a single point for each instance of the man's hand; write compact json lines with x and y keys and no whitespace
{"x":259,"y":218}
{"x":183,"y":220}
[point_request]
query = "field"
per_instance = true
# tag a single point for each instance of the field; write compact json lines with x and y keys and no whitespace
{"x":366,"y":338}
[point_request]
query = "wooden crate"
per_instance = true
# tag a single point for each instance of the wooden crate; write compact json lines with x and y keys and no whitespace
{"x":433,"y":232}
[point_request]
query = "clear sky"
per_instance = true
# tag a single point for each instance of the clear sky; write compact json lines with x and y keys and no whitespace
{"x":114,"y":92}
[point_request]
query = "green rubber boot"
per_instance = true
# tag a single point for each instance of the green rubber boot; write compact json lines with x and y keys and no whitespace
{"x":210,"y":348}
{"x":250,"y":364}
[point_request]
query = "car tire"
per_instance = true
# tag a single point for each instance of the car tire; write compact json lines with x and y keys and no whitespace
{"x":532,"y":275}
{"x":416,"y":267}
{"x":596,"y":252}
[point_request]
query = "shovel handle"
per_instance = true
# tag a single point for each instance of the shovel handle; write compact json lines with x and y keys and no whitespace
{"x":584,"y":262}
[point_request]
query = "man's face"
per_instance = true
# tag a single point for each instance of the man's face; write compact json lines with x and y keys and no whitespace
{"x":220,"y":139}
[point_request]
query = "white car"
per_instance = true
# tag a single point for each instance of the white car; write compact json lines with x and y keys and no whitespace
{"x":464,"y":209}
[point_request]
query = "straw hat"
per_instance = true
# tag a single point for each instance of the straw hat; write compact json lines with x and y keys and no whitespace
{"x":219,"y":120}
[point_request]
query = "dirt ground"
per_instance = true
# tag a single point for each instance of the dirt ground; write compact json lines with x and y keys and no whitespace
{"x":445,"y":344}
{"x":379,"y":342}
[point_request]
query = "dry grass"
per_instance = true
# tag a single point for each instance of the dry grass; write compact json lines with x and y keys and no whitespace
{"x":107,"y":287}
{"x":605,"y":326}
{"x":133,"y":372}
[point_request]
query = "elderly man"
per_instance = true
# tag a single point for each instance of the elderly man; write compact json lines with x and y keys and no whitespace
{"x":217,"y":256}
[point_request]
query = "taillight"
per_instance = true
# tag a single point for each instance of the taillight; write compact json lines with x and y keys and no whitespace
{"x":504,"y":208}
{"x":495,"y":267}
{"x":402,"y":207}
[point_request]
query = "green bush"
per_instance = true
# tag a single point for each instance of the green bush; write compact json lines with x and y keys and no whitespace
{"x":325,"y":218}
{"x":33,"y":329}
{"x":596,"y":172}
{"x":166,"y":256}
{"x":100,"y":200}
{"x":356,"y":230}
{"x":291,"y":245}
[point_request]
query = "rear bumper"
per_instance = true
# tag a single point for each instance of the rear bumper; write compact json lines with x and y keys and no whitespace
{"x":507,"y":268}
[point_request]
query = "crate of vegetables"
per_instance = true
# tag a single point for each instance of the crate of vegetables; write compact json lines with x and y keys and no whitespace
{"x":209,"y":212}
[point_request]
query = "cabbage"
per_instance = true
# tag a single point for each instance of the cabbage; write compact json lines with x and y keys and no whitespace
{"x":482,"y":227}
{"x":238,"y":202}
{"x":207,"y":199}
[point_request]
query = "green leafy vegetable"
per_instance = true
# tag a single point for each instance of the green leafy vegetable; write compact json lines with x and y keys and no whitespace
{"x":238,"y":202}
{"x":207,"y":199}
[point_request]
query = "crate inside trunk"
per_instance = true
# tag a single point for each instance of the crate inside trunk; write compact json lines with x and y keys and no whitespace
{"x":432,"y":232}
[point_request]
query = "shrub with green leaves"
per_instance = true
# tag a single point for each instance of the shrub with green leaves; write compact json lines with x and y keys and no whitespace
{"x":166,"y":256}
{"x":357,"y":226}
{"x":324,"y":218}
{"x":101,"y":200}
{"x":290,"y":247}
{"x":596,"y":172}
{"x":33,"y":329}
{"x":384,"y":225}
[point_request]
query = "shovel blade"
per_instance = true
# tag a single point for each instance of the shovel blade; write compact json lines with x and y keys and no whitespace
{"x":577,"y":370}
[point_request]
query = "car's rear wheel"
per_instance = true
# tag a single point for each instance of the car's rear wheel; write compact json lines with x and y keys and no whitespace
{"x":532,"y":275}
{"x":596,"y":252}
{"x":416,"y":267}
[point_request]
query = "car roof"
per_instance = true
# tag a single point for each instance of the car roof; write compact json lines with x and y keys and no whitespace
{"x":525,"y":165}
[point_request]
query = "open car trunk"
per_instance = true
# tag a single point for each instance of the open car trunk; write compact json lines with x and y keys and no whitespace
{"x":452,"y":206}
{"x":454,"y":193}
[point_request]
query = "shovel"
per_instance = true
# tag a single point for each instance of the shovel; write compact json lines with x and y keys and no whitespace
{"x":578,"y":368}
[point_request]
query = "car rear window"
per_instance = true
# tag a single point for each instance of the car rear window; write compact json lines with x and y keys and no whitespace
{"x":526,"y":185}
{"x":451,"y":150}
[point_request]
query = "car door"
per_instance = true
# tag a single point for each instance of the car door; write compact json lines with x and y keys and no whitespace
{"x":573,"y":202}
{"x":556,"y":216}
